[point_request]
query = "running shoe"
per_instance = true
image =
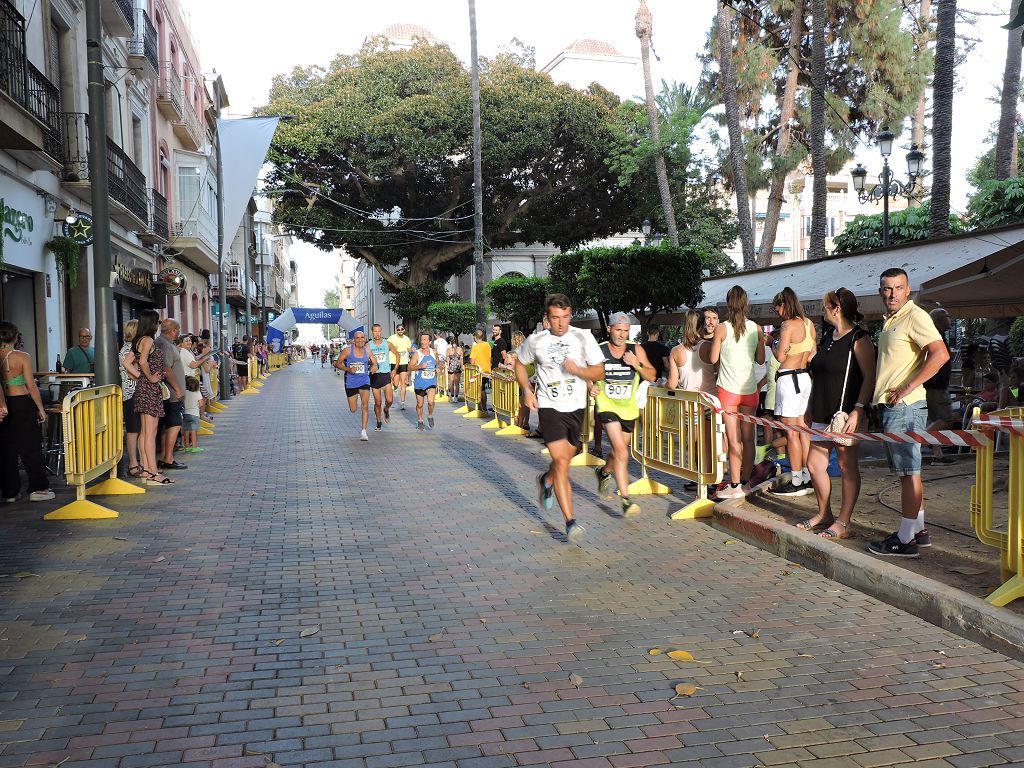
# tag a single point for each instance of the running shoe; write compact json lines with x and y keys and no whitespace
{"x":604,"y":483}
{"x":11,"y":500}
{"x":545,"y":493}
{"x":788,"y":489}
{"x":378,"y":427}
{"x":730,"y":492}
{"x":891,"y":546}
{"x":41,"y":495}
{"x":574,"y":532}
{"x":420,"y":426}
{"x":629,"y":507}
{"x":430,"y":421}
{"x":363,"y":436}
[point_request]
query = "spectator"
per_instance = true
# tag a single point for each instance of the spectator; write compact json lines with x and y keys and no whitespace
{"x":455,"y":356}
{"x":738,"y":343}
{"x":936,"y":389}
{"x":657,"y":353}
{"x":910,"y":351}
{"x":690,"y":365}
{"x":499,"y":347}
{"x":844,"y":378}
{"x":240,"y":353}
{"x":480,"y":356}
{"x":21,"y":416}
{"x":81,"y":358}
{"x":129,"y":369}
{"x":190,"y":421}
{"x":523,"y":417}
{"x":710,"y":322}
{"x":148,"y":398}
{"x":174,"y":405}
{"x":1011,"y":395}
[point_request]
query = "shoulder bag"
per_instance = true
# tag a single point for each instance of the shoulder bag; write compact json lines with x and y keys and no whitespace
{"x":840,"y":418}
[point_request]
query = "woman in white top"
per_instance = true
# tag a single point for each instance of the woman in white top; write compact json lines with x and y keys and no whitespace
{"x":738,"y":343}
{"x":691,"y":367}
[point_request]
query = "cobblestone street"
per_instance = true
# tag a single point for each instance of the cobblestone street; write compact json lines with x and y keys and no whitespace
{"x":449,"y":623}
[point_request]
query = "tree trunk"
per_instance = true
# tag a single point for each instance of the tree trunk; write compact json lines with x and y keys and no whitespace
{"x":819,"y":199}
{"x":784,"y":142}
{"x":478,"y":192}
{"x":921,"y":41}
{"x":737,"y":157}
{"x":942,"y":116}
{"x":1008,"y":101}
{"x":643,"y":31}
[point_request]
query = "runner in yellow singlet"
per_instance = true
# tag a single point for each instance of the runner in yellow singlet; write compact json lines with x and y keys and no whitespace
{"x":400,"y":364}
{"x":625,"y":365}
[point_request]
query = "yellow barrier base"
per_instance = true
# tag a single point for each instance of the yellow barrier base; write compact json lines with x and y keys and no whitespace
{"x":204,"y":431}
{"x":475,"y":414}
{"x":256,"y":383}
{"x":207,"y":424}
{"x":511,"y":431}
{"x":462,"y":409}
{"x":585,"y":459}
{"x":250,"y":391}
{"x":442,"y":399}
{"x":216,"y":406}
{"x":113,"y":487}
{"x":647,"y":487}
{"x":1006,"y":594}
{"x":81,"y":509}
{"x":492,"y":424}
{"x":695,"y":510}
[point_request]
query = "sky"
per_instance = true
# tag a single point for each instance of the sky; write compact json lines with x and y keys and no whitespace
{"x":250,"y":42}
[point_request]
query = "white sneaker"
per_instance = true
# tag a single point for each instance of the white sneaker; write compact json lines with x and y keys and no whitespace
{"x":11,"y":500}
{"x":41,"y":495}
{"x":363,"y":436}
{"x":731,"y":492}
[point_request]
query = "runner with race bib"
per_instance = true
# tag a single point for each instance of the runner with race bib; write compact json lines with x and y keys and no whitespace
{"x":380,"y":382}
{"x":624,"y":367}
{"x":566,"y":359}
{"x":358,"y":364}
{"x":423,"y":365}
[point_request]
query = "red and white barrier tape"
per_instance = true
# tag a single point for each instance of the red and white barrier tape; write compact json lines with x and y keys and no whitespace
{"x":1016,"y":426}
{"x":957,"y":437}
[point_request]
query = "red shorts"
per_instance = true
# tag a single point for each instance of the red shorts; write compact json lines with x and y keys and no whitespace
{"x":731,"y":401}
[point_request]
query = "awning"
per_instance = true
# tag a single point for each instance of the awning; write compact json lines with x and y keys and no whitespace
{"x":978,"y":274}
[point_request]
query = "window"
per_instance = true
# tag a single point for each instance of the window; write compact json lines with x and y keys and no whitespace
{"x":137,"y":141}
{"x":807,"y":226}
{"x":831,"y":226}
{"x":188,"y":191}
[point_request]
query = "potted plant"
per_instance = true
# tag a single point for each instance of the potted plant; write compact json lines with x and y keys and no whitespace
{"x":67,"y":253}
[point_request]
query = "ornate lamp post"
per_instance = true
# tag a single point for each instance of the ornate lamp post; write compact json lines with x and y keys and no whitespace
{"x":887,"y":185}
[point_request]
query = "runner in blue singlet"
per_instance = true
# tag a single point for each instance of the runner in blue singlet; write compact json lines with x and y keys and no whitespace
{"x":424,"y":365}
{"x":357,"y":363}
{"x":381,"y":380}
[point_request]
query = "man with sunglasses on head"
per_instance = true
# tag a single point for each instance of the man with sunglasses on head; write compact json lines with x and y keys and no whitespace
{"x":81,"y":358}
{"x":400,"y":361}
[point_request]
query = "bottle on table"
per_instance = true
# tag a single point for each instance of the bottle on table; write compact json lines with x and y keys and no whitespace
{"x":57,"y":368}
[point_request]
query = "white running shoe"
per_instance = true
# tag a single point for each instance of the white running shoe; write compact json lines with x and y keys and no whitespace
{"x":363,"y":436}
{"x":41,"y":495}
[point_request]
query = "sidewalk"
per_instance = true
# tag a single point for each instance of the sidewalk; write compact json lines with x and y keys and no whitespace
{"x":448,"y":623}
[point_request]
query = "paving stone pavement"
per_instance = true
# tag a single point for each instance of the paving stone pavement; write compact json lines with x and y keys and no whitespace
{"x":451,"y":614}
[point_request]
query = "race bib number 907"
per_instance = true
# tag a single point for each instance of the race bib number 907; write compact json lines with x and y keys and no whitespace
{"x":615,"y":391}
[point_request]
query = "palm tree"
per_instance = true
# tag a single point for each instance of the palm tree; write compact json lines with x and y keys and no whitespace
{"x":819,"y":198}
{"x":737,"y":157}
{"x":643,"y":31}
{"x":784,"y":142}
{"x":942,"y":116}
{"x":1005,"y":140}
{"x":478,"y":184}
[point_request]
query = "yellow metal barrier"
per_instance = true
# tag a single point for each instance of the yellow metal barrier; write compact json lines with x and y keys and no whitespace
{"x":93,"y":435}
{"x":681,"y":435}
{"x":584,"y":458}
{"x":1010,"y":542}
{"x":215,"y":405}
{"x":254,"y":383}
{"x":505,"y":401}
{"x":473,"y":379}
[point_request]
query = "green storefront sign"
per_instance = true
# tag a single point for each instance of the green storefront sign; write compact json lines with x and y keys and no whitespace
{"x":16,"y":224}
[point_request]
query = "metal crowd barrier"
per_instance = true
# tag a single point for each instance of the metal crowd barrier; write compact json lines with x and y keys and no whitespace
{"x":473,"y":389}
{"x":215,"y":405}
{"x":584,"y":458}
{"x":505,"y":402}
{"x":1010,"y":542}
{"x":93,"y":444}
{"x":254,"y":378}
{"x":681,"y":435}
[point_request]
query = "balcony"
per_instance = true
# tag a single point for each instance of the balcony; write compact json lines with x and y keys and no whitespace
{"x":158,"y":232}
{"x":233,"y":281}
{"x":188,"y":128}
{"x":126,"y":183}
{"x":169,"y":94}
{"x":143,"y":48}
{"x":118,"y":17}
{"x":194,"y":236}
{"x":30,"y":116}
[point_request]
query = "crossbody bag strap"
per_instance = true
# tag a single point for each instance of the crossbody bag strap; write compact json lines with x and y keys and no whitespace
{"x":846,"y":376}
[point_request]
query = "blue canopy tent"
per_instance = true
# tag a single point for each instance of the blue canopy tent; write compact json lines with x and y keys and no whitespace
{"x":295,"y":315}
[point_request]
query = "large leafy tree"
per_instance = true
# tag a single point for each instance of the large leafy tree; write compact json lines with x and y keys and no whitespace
{"x":455,"y":317}
{"x":997,"y":204}
{"x":518,"y":299}
{"x":865,"y":231}
{"x":388,"y":131}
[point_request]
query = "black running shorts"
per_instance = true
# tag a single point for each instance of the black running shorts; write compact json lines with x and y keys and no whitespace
{"x":606,"y":417}
{"x":558,"y":425}
{"x":357,"y":390}
{"x":380,"y":380}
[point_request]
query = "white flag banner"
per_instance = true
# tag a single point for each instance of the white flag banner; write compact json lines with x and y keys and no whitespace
{"x":243,"y":149}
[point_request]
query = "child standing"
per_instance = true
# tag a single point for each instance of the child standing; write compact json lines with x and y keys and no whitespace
{"x":193,"y":402}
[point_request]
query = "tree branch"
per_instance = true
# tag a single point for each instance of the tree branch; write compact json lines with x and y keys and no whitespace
{"x":386,"y":276}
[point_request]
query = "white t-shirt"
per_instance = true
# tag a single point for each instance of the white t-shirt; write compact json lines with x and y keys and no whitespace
{"x":441,"y":347}
{"x":187,"y":358}
{"x":192,"y":402}
{"x":556,"y":389}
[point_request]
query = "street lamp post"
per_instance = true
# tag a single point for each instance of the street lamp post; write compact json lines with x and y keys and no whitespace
{"x":888,"y":186}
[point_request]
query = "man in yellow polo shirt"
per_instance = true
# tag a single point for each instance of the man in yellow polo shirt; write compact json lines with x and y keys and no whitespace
{"x":910,"y":351}
{"x":480,"y":355}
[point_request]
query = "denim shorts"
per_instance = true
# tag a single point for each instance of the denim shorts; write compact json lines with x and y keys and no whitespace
{"x":191,"y":423}
{"x":906,"y":457}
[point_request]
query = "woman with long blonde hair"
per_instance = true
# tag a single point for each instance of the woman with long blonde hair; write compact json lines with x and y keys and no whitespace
{"x":690,"y":362}
{"x":737,"y":344}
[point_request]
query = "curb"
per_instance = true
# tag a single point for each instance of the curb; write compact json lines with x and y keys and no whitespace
{"x":946,"y":607}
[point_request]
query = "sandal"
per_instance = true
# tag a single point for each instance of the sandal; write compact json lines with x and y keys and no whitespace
{"x":807,"y":525}
{"x":156,"y":479}
{"x":135,"y":471}
{"x":828,"y":533}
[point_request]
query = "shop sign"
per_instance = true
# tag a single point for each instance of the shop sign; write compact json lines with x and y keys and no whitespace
{"x":174,"y":281}
{"x":80,"y":230}
{"x":18,"y":219}
{"x":139,"y":279}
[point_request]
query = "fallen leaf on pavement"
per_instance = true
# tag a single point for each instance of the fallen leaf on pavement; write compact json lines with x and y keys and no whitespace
{"x":654,"y":652}
{"x":685,"y":689}
{"x":576,"y":680}
{"x":805,"y":655}
{"x":730,"y":541}
{"x":309,"y":631}
{"x":739,"y":676}
{"x":253,"y":752}
{"x":938,"y":665}
{"x":680,"y":655}
{"x":277,"y":642}
{"x":160,"y":559}
{"x":120,"y":538}
{"x":755,"y":634}
{"x":25,"y":575}
{"x":526,"y":686}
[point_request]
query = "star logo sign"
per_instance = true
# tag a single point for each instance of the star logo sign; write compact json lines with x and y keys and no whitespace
{"x":80,"y":230}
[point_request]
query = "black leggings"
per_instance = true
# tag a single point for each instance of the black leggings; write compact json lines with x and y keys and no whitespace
{"x":20,"y":435}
